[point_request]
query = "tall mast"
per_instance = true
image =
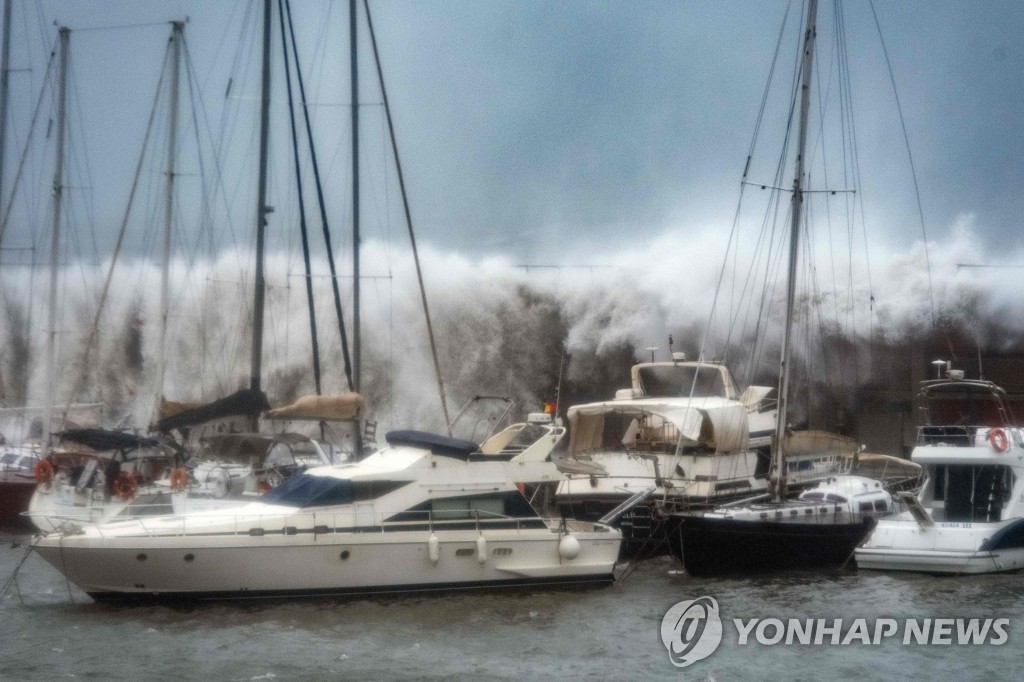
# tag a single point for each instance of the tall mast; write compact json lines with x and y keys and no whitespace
{"x":172,"y":149}
{"x":779,"y":488}
{"x":5,"y":62}
{"x":261,"y":209}
{"x":58,"y":190}
{"x":357,"y":439}
{"x":355,"y":196}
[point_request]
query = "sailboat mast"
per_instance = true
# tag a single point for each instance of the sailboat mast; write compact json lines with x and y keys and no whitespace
{"x":261,"y":210}
{"x":357,"y":436}
{"x":353,"y":59}
{"x":172,"y":148}
{"x":779,"y":487}
{"x":5,"y":62}
{"x":58,"y":191}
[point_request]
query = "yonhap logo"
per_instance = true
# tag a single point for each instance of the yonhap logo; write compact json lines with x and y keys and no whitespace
{"x":691,"y":631}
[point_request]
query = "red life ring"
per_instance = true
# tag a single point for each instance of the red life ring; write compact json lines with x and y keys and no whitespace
{"x":44,"y":471}
{"x":998,"y":438}
{"x":125,"y":485}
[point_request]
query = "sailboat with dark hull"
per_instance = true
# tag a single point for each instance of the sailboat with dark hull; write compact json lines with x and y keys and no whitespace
{"x":821,"y":528}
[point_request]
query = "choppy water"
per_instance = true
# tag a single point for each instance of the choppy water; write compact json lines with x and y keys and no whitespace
{"x":50,"y":632}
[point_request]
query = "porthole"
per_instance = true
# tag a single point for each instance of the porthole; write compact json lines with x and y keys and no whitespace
{"x":501,"y":551}
{"x":141,"y":557}
{"x":466,"y":551}
{"x":344,"y":554}
{"x":190,"y":557}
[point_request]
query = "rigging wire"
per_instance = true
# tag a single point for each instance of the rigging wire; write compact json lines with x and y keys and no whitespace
{"x":47,"y":84}
{"x":302,"y":204}
{"x":910,"y":158}
{"x":734,"y":231}
{"x":79,"y":386}
{"x":408,"y":214}
{"x":323,"y":208}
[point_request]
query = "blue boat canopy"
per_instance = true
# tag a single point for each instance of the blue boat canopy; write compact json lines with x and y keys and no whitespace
{"x":436,"y":443}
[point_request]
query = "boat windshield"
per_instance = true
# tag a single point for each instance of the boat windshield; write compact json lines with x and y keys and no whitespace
{"x":680,"y":380}
{"x":964,"y":405}
{"x":310,"y":491}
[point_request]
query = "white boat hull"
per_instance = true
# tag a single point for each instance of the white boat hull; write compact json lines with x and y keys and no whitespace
{"x":219,"y":566}
{"x":900,"y":544}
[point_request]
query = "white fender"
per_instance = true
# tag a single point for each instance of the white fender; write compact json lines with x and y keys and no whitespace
{"x":569,"y":546}
{"x":434,"y":548}
{"x":481,"y":549}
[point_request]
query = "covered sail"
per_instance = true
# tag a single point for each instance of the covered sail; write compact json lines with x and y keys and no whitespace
{"x":344,"y":407}
{"x":246,"y":402}
{"x":103,"y":440}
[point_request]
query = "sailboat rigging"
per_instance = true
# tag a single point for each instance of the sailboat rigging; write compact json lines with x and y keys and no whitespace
{"x":824,"y":525}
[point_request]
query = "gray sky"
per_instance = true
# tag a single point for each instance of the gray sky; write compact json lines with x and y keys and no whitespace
{"x":554,"y":131}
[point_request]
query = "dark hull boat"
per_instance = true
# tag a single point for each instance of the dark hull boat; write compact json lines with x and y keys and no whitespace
{"x":719,"y":546}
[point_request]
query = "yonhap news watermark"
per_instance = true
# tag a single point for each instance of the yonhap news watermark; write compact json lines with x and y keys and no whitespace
{"x":693,"y":630}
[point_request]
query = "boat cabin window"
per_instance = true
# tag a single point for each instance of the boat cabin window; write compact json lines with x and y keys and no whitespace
{"x":306,"y":490}
{"x":816,"y":496}
{"x":973,"y":492}
{"x":678,"y":382}
{"x":310,"y":491}
{"x":467,"y":508}
{"x":964,"y":407}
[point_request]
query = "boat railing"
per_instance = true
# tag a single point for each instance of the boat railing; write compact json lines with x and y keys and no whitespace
{"x":963,"y":435}
{"x":956,"y":435}
{"x":304,"y":523}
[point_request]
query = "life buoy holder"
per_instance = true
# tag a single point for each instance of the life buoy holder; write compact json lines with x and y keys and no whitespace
{"x":125,"y":485}
{"x":44,"y":471}
{"x":999,"y":440}
{"x":179,"y":479}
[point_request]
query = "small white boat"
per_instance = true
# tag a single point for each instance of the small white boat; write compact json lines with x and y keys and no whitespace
{"x":969,"y":516}
{"x":425,"y":513}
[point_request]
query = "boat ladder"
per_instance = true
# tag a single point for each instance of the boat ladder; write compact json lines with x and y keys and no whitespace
{"x":633,"y":501}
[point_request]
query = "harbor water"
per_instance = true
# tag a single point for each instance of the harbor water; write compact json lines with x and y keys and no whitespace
{"x":49,"y":630}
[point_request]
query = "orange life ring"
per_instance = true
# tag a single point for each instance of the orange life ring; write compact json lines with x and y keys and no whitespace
{"x":998,"y":438}
{"x":125,"y":485}
{"x":179,"y":479}
{"x":44,"y":471}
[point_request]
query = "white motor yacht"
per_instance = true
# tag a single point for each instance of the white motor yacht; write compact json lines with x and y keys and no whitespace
{"x":686,"y":431}
{"x":427,"y":512}
{"x":969,"y":516}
